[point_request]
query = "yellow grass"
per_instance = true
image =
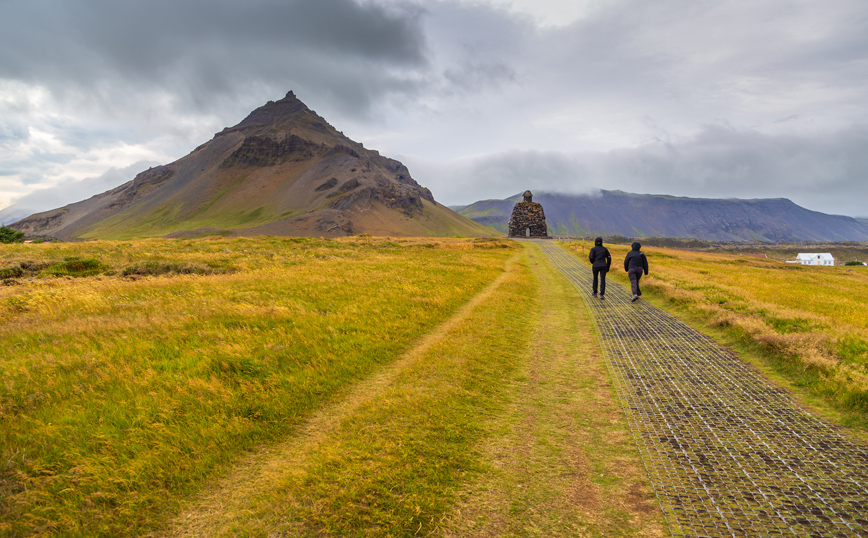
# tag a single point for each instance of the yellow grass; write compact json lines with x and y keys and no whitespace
{"x":812,"y":319}
{"x":121,"y":394}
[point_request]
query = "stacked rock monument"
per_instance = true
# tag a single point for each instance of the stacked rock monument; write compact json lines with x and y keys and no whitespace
{"x":528,"y":219}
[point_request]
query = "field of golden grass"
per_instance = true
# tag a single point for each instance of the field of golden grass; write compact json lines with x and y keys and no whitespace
{"x":133,"y":371}
{"x":812,"y":321}
{"x":136,"y":372}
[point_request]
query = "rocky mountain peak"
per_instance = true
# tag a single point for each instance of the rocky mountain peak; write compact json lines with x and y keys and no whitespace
{"x":288,"y":114}
{"x":282,"y":171}
{"x":273,"y":111}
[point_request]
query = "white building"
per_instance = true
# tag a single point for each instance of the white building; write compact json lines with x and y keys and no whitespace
{"x":815,"y":259}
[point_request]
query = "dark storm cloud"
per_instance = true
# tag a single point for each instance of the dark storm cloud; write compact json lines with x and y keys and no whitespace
{"x":680,"y":97}
{"x":201,"y":50}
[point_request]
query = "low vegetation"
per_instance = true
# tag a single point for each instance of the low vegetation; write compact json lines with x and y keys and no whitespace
{"x":156,"y":268}
{"x":810,"y":322}
{"x":502,"y":420}
{"x":300,"y":387}
{"x":136,"y":374}
{"x":122,"y":393}
{"x":9,"y":235}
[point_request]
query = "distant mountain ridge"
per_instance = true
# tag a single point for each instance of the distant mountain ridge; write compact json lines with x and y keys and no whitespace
{"x":283,"y":170}
{"x":650,"y":215}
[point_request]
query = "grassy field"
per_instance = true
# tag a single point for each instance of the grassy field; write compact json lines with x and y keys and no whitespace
{"x":282,"y":387}
{"x":133,"y":370}
{"x":359,"y":387}
{"x":809,"y":323}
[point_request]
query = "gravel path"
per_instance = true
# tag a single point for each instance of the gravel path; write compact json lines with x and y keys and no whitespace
{"x":728,"y":453}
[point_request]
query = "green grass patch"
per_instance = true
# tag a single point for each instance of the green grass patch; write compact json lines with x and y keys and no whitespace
{"x":11,"y":272}
{"x":853,"y":350}
{"x":75,"y":267}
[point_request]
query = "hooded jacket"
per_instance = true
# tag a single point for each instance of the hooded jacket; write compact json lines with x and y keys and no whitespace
{"x":636,"y":258}
{"x":599,"y":255}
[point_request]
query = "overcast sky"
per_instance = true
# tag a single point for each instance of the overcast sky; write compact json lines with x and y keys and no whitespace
{"x":480,"y":99}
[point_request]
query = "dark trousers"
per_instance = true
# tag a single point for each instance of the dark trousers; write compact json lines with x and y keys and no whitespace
{"x":602,"y":272}
{"x":635,"y":273}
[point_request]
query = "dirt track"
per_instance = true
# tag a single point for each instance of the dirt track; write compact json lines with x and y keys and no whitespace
{"x":728,"y":453}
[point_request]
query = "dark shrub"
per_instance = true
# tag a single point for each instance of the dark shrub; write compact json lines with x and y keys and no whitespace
{"x":75,"y":267}
{"x":155,"y":268}
{"x":8,"y":235}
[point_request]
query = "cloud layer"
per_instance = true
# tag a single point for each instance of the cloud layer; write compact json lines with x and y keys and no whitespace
{"x":479,"y":99}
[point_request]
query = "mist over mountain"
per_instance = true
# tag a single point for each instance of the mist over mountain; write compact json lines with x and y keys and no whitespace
{"x":650,"y":215}
{"x":13,"y":213}
{"x":282,"y":171}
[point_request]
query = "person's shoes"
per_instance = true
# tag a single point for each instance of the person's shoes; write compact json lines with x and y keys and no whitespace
{"x":633,"y":300}
{"x":602,"y":296}
{"x":595,"y":294}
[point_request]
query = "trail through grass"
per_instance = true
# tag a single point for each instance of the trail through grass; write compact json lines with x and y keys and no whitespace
{"x":563,"y":462}
{"x":501,"y":422}
{"x":122,"y":394}
{"x":251,"y":485}
{"x":294,"y":387}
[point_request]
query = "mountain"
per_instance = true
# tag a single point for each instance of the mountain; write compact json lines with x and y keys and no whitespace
{"x":649,"y":215}
{"x":13,"y":213}
{"x":282,"y":171}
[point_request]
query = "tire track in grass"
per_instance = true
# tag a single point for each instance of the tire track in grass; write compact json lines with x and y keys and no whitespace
{"x":564,"y":463}
{"x":221,"y":507}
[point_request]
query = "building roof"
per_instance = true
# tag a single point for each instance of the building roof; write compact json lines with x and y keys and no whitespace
{"x":815,"y":256}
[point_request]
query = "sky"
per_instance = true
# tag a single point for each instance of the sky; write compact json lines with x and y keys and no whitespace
{"x":481,"y":99}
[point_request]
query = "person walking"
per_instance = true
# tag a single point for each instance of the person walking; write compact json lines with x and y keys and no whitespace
{"x":635,"y":264}
{"x":601,"y":260}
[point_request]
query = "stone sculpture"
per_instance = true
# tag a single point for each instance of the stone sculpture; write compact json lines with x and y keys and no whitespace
{"x":528,"y":219}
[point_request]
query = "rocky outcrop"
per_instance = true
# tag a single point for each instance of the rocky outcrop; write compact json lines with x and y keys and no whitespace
{"x":264,"y":151}
{"x":329,"y":184}
{"x":349,"y":186}
{"x":407,"y":200}
{"x":341,"y":149}
{"x":41,"y":223}
{"x":143,"y":184}
{"x":152,"y":177}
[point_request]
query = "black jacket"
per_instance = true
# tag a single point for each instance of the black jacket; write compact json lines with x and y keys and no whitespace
{"x":599,"y":255}
{"x":636,"y":258}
